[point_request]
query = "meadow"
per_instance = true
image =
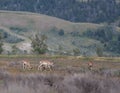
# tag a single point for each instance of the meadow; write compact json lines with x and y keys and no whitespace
{"x":69,"y":75}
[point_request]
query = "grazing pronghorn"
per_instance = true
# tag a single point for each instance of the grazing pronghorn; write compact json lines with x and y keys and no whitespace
{"x":45,"y":64}
{"x":26,"y":65}
{"x":90,"y":65}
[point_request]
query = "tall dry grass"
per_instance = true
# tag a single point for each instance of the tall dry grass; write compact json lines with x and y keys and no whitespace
{"x":56,"y":83}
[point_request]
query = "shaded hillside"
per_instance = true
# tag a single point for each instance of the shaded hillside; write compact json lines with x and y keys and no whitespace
{"x":64,"y":37}
{"x":73,"y":10}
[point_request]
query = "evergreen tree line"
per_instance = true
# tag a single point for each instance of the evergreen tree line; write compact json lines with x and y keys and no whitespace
{"x":95,"y":11}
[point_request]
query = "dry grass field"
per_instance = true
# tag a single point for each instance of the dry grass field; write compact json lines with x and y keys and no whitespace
{"x":62,"y":64}
{"x":70,"y":75}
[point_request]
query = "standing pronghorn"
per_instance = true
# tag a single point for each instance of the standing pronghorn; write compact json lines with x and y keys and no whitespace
{"x":26,"y":65}
{"x":45,"y":64}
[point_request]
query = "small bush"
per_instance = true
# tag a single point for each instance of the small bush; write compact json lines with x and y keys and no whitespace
{"x":61,"y":32}
{"x":38,"y":44}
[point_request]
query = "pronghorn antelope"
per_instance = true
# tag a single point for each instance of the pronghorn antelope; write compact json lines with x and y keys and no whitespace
{"x":90,"y":65}
{"x":45,"y":64}
{"x":26,"y":65}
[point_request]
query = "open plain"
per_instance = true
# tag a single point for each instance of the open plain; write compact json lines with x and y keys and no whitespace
{"x":69,"y":75}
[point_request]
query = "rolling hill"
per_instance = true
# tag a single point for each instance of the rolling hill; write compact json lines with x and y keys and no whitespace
{"x":18,"y":27}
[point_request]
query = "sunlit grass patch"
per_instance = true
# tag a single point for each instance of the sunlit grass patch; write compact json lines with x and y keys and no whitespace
{"x":114,"y":59}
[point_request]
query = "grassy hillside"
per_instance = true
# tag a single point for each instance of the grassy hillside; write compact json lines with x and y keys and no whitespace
{"x":19,"y":26}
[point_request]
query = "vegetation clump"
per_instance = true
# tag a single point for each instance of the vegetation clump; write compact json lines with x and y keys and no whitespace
{"x":39,"y":45}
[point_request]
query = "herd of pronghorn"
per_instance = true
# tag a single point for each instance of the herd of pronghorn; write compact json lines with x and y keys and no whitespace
{"x":45,"y":64}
